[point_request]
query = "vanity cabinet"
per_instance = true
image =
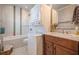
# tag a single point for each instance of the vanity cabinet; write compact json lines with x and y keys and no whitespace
{"x":59,"y":50}
{"x":59,"y":46}
{"x":49,"y":48}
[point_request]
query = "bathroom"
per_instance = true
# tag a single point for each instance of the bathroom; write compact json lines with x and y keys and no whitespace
{"x":19,"y":22}
{"x":24,"y":24}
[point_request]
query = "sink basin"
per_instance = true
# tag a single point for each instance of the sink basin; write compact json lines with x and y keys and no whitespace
{"x":66,"y":34}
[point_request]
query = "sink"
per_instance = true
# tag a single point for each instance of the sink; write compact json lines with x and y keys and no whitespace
{"x":66,"y":34}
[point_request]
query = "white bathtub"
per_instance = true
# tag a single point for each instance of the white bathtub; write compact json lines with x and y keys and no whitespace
{"x":16,"y":41}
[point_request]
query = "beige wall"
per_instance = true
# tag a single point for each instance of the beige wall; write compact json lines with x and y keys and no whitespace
{"x":46,"y":16}
{"x":54,"y":16}
{"x":6,"y":17}
{"x":0,"y":16}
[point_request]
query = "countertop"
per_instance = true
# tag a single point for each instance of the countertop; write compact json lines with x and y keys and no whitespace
{"x":62,"y":35}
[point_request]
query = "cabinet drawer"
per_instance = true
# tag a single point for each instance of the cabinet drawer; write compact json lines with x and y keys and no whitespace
{"x":50,"y":38}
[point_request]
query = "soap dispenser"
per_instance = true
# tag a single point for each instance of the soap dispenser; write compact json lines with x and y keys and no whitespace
{"x":77,"y":30}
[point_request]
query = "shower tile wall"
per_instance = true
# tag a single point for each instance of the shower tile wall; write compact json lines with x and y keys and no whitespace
{"x":35,"y":26}
{"x":65,"y":16}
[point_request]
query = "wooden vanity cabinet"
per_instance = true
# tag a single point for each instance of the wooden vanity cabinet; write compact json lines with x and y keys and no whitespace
{"x":59,"y":46}
{"x":59,"y":50}
{"x":49,"y":48}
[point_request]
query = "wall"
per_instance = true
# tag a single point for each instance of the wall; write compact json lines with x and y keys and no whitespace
{"x":65,"y":16}
{"x":35,"y":13}
{"x":35,"y":26}
{"x":21,"y":21}
{"x":7,"y":18}
{"x":17,"y":21}
{"x":0,"y":15}
{"x":7,"y":13}
{"x":45,"y":17}
{"x":25,"y":21}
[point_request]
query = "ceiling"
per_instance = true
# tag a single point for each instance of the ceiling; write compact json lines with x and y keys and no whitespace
{"x":27,"y":6}
{"x":58,"y":6}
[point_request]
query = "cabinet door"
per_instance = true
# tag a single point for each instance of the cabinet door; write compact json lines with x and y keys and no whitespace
{"x":49,"y":49}
{"x":59,"y":50}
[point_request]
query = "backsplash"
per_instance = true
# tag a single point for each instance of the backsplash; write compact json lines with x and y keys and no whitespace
{"x":65,"y":16}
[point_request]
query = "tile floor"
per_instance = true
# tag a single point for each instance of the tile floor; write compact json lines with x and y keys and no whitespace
{"x":20,"y":51}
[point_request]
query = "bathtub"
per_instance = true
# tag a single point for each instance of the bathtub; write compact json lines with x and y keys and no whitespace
{"x":16,"y":41}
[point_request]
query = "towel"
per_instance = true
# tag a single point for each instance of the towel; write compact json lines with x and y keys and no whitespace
{"x":76,"y":16}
